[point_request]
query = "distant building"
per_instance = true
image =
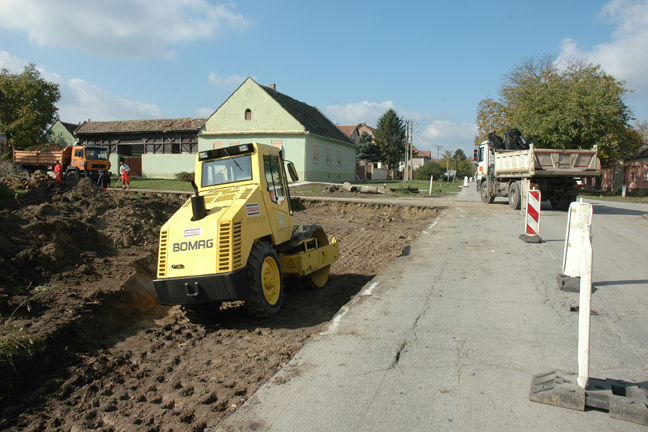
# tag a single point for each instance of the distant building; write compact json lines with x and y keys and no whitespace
{"x":151,"y":148}
{"x":633,"y":173}
{"x":637,"y":170}
{"x":62,"y":133}
{"x":420,"y":158}
{"x":355,"y":132}
{"x":256,"y":113}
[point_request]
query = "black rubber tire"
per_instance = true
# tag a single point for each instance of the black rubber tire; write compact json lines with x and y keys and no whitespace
{"x":72,"y":177}
{"x":514,"y":196}
{"x":563,"y":203}
{"x":485,"y":196}
{"x":259,"y":305}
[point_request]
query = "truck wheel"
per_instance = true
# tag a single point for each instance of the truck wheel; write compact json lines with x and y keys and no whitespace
{"x":73,"y":177}
{"x":514,"y":196}
{"x":265,"y":281}
{"x":485,"y":195}
{"x":562,"y":203}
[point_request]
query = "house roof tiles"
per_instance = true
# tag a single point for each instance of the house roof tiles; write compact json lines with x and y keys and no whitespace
{"x":313,"y":120}
{"x":71,"y":127}
{"x":348,"y":130}
{"x":129,"y":126}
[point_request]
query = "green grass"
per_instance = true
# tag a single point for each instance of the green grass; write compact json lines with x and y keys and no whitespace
{"x":438,"y":186}
{"x":8,"y":195}
{"x":15,"y":340}
{"x":639,"y":196}
{"x":157,"y":184}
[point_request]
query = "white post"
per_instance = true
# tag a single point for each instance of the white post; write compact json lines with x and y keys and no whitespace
{"x":465,"y":183}
{"x":584,"y":309}
{"x":431,"y":180}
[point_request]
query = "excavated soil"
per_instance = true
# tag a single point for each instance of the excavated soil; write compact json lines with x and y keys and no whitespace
{"x":88,"y":347}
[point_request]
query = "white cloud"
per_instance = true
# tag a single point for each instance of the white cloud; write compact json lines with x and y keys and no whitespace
{"x":231,"y":81}
{"x":119,"y":28}
{"x":11,"y":63}
{"x":624,"y":56}
{"x":81,"y":100}
{"x":451,"y":136}
{"x":203,"y":112}
{"x":428,"y":132}
{"x":363,"y":112}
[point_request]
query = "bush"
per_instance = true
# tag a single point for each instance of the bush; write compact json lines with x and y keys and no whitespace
{"x":7,"y":195}
{"x":432,"y":168}
{"x":185,"y":176}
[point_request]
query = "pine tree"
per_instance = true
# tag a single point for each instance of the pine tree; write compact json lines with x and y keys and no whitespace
{"x":390,"y":138}
{"x":368,"y":150}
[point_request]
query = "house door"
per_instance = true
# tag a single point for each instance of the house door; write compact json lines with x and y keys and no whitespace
{"x":135,"y":164}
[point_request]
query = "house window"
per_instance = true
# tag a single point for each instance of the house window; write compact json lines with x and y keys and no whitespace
{"x":315,"y":153}
{"x":218,"y":144}
{"x":328,"y":155}
{"x":339,"y":157}
{"x":234,"y":143}
{"x":277,"y":144}
{"x":248,"y":114}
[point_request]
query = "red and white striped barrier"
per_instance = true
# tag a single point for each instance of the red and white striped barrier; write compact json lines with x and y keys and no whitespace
{"x":532,"y":219}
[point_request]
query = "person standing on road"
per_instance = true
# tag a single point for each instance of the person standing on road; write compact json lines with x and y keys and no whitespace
{"x":58,"y":169}
{"x":124,"y":170}
{"x":104,"y":180}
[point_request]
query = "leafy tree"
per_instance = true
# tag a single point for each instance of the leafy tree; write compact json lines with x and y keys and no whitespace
{"x":29,"y":107}
{"x":368,"y":150}
{"x":459,"y":155}
{"x":433,"y":168}
{"x":465,"y":168}
{"x":565,"y":104}
{"x":390,"y":138}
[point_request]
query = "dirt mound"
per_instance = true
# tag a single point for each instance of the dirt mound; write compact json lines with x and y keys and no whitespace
{"x":106,"y":357}
{"x":52,"y":227}
{"x":46,"y":147}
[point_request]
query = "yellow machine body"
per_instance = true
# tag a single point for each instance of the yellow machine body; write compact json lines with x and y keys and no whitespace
{"x":242,"y":197}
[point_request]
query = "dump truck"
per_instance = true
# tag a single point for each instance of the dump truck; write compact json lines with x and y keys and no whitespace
{"x":235,"y":239}
{"x":77,"y":161}
{"x":504,"y":164}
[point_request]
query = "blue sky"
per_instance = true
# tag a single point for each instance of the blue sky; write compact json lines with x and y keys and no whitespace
{"x":432,"y":61}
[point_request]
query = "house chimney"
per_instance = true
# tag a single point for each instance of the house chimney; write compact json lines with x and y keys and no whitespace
{"x":273,"y":86}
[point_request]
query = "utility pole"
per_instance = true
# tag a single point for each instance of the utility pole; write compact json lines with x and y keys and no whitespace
{"x":409,"y":147}
{"x":438,"y":151}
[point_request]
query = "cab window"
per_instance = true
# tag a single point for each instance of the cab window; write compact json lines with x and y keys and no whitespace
{"x":221,"y":171}
{"x":273,"y":178}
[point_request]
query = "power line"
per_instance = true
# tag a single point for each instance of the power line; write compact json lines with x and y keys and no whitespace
{"x":438,"y":151}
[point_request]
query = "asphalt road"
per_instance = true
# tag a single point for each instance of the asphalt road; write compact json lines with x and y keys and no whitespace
{"x":449,"y":336}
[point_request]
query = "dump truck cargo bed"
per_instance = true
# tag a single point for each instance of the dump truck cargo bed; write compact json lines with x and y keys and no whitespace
{"x":546,"y":163}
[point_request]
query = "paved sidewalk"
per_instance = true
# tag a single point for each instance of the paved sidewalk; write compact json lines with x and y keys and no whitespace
{"x":448,"y":337}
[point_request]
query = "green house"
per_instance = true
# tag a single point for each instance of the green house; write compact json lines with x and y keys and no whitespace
{"x":62,"y":133}
{"x":256,"y":113}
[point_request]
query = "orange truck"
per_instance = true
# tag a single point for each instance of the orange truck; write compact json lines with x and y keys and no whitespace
{"x":77,"y":161}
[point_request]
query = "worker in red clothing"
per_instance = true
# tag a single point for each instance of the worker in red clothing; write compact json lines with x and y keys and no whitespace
{"x":124,"y":170}
{"x":58,"y":169}
{"x":104,"y":180}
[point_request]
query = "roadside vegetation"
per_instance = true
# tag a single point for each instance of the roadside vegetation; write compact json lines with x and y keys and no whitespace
{"x":156,"y":184}
{"x":639,"y":196}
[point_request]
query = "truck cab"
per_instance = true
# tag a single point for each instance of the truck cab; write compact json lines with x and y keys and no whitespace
{"x":87,"y":161}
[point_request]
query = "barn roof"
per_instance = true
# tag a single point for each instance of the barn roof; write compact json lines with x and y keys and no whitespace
{"x":129,"y":126}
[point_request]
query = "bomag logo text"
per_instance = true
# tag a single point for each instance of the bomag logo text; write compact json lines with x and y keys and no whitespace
{"x":194,"y":245}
